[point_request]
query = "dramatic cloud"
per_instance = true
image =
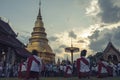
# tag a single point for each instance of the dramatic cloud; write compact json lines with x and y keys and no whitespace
{"x":94,"y":36}
{"x":106,"y":11}
{"x":72,"y":34}
{"x":93,"y":9}
{"x":23,"y":36}
{"x":62,"y":46}
{"x":81,"y":3}
{"x":109,"y":13}
{"x":24,"y":39}
{"x":99,"y":42}
{"x":58,"y":51}
{"x":106,"y":14}
{"x":52,"y":38}
{"x":81,"y":41}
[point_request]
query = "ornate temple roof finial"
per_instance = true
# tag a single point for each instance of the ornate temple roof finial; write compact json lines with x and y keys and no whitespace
{"x":39,"y":3}
{"x":109,"y":39}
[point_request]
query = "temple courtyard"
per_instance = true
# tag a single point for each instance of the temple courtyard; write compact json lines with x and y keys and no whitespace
{"x":73,"y":78}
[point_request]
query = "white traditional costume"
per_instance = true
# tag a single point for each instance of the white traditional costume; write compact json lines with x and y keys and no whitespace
{"x":22,"y":70}
{"x":102,"y":69}
{"x":83,"y":67}
{"x":34,"y":66}
{"x":68,"y":71}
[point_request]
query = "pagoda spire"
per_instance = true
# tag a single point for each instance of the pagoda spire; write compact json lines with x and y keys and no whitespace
{"x":39,"y":13}
{"x":39,"y":22}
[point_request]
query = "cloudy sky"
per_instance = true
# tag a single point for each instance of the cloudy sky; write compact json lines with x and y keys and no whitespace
{"x":91,"y":24}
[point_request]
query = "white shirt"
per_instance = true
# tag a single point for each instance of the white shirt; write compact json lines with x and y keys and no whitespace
{"x":103,"y":68}
{"x":84,"y":67}
{"x":23,"y":68}
{"x":1,"y":67}
{"x":35,"y":66}
{"x":118,"y":66}
{"x":69,"y":70}
{"x":61,"y":67}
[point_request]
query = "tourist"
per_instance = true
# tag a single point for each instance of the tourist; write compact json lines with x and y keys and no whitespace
{"x":34,"y":66}
{"x":83,"y":65}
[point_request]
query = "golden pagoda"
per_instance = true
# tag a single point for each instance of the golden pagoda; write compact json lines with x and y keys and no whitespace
{"x":39,"y":41}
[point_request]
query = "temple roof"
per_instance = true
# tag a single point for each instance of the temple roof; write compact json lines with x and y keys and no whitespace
{"x":11,"y":41}
{"x":8,"y":38}
{"x":110,"y":46}
{"x":22,"y":52}
{"x":5,"y":28}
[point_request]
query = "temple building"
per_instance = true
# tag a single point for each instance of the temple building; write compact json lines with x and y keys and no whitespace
{"x":11,"y":49}
{"x":111,"y":53}
{"x":39,"y":41}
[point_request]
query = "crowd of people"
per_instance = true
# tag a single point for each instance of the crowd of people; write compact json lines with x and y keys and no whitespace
{"x":33,"y":68}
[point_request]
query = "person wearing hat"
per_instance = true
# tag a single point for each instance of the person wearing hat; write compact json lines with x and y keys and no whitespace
{"x":83,"y":65}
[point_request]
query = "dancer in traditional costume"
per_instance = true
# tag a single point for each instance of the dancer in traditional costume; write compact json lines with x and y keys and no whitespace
{"x":68,"y":70}
{"x":83,"y":65}
{"x":22,"y":70}
{"x":34,"y":66}
{"x":102,"y":68}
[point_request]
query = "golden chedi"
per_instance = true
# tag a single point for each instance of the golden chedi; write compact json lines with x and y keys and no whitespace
{"x":39,"y":41}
